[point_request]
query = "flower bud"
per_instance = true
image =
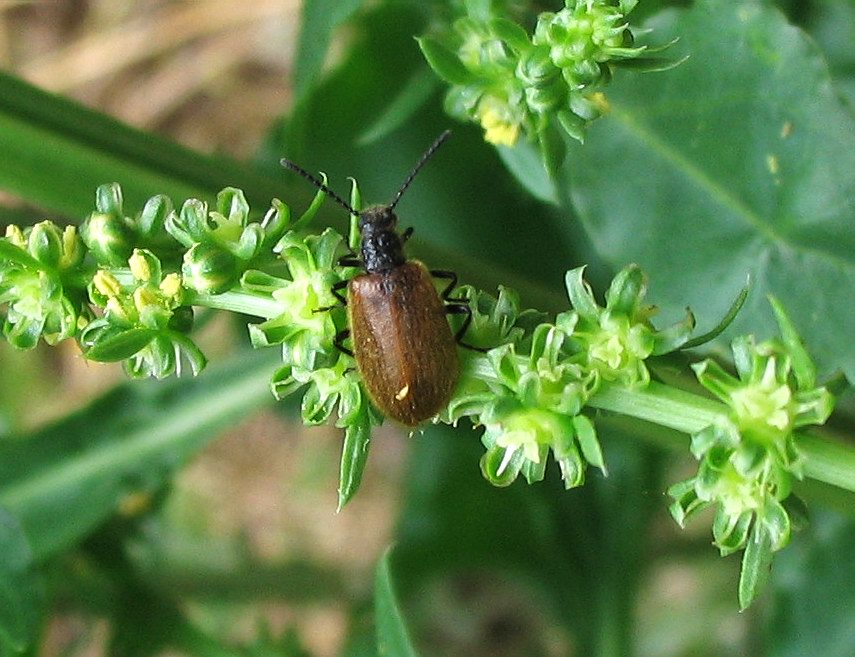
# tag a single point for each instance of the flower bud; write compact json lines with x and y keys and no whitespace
{"x":209,"y":269}
{"x":45,"y":243}
{"x":109,"y":238}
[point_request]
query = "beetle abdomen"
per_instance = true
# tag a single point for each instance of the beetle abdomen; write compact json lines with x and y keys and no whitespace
{"x":404,"y":347}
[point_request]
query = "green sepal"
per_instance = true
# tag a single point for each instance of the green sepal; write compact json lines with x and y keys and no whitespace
{"x":162,"y":357}
{"x":725,"y":321}
{"x":586,"y":434}
{"x":444,"y":62}
{"x":109,"y":237}
{"x":580,"y":294}
{"x":45,"y":243}
{"x":756,"y":565}
{"x":313,"y":208}
{"x":552,"y":149}
{"x":152,"y":219}
{"x":668,"y":340}
{"x":686,"y":503}
{"x":316,"y":408}
{"x":730,"y":532}
{"x":804,"y":369}
{"x":534,"y":471}
{"x":511,"y":33}
{"x":574,"y":125}
{"x":626,"y":290}
{"x":491,"y":466}
{"x":354,"y":457}
{"x":106,"y":343}
{"x":189,"y":224}
{"x":275,"y":223}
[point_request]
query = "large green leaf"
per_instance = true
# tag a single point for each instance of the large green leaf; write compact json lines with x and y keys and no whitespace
{"x":739,"y":162}
{"x":20,"y":590}
{"x":66,"y":479}
{"x":814,"y":611}
{"x":56,"y":152}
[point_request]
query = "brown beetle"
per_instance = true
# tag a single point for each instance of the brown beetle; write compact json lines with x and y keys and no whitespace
{"x":403,"y":345}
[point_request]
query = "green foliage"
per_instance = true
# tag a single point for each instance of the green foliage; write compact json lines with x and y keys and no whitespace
{"x":734,"y":163}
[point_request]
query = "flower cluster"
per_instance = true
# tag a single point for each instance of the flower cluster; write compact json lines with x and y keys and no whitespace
{"x":512,"y":82}
{"x":529,"y":391}
{"x":143,"y":323}
{"x":748,"y":459}
{"x":42,"y":283}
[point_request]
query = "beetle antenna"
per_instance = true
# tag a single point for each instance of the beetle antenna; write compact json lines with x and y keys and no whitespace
{"x":288,"y":164}
{"x":427,"y":155}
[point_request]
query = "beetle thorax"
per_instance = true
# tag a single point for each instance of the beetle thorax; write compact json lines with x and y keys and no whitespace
{"x":382,"y":247}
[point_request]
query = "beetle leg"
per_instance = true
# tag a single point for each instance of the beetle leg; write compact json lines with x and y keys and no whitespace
{"x":461,"y":307}
{"x":407,"y":234}
{"x":336,"y":292}
{"x":350,"y":260}
{"x":451,"y":277}
{"x":339,"y":339}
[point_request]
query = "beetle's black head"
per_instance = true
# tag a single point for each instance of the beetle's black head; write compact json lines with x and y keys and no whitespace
{"x":380,"y":217}
{"x":382,"y":247}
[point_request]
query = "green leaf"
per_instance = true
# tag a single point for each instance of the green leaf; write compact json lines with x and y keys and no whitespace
{"x":393,"y":639}
{"x":813,"y":612}
{"x":64,"y":480}
{"x":57,"y":152}
{"x":756,"y":564}
{"x":21,"y":593}
{"x":319,"y":20}
{"x":702,"y":188}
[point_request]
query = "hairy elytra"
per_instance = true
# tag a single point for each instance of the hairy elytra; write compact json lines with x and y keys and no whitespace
{"x":404,"y":348}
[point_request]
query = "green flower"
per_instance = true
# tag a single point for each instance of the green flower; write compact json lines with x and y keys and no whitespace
{"x":514,"y":83}
{"x":144,"y":320}
{"x":41,"y":284}
{"x":614,"y":341}
{"x":749,"y":459}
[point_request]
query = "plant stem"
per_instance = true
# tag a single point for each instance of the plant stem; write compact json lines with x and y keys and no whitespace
{"x":245,"y":303}
{"x":825,"y":460}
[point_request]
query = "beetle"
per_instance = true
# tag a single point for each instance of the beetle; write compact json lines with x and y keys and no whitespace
{"x":404,"y":348}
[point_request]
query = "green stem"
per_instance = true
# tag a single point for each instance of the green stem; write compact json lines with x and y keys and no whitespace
{"x":661,"y":404}
{"x":827,"y":460}
{"x":245,"y":303}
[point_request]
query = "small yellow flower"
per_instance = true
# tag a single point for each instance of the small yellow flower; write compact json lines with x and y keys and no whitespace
{"x":171,"y":285}
{"x":139,"y":266}
{"x":497,"y":130}
{"x":106,"y":283}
